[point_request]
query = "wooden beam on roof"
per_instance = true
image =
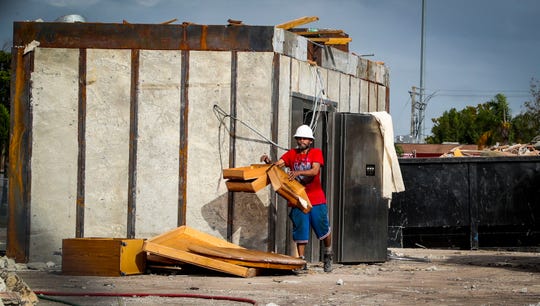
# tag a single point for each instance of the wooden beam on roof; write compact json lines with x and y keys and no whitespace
{"x":332,"y":40}
{"x":296,"y":22}
{"x":318,"y":32}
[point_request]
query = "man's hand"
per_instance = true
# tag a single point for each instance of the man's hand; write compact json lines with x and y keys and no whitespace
{"x":266,"y":159}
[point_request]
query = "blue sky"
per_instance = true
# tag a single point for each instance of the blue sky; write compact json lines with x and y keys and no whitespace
{"x":474,"y":49}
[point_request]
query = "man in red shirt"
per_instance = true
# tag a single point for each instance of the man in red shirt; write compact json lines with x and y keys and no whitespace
{"x":305,"y":164}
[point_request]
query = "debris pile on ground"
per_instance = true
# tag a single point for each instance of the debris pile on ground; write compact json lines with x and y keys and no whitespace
{"x":495,"y":151}
{"x":14,"y":291}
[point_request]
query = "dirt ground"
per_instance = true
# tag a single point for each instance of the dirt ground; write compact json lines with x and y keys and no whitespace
{"x":409,"y":277}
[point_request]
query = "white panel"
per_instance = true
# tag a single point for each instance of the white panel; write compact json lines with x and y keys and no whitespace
{"x":355,"y":95}
{"x":372,"y":104}
{"x":307,"y":79}
{"x":107,"y":142}
{"x":381,"y":98}
{"x":364,"y":96}
{"x":344,"y":93}
{"x":290,"y":44}
{"x":332,"y":85}
{"x":158,"y":142}
{"x":55,"y":89}
{"x":208,"y":143}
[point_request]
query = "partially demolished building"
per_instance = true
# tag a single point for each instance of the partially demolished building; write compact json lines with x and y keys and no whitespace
{"x":123,"y":130}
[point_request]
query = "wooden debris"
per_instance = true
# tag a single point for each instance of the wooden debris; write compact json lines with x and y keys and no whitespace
{"x":332,"y":40}
{"x":495,"y":151}
{"x":188,"y":245}
{"x":233,"y":22}
{"x":297,"y":22}
{"x":292,"y":191}
{"x":170,"y":21}
{"x":257,"y":176}
{"x":103,"y":256}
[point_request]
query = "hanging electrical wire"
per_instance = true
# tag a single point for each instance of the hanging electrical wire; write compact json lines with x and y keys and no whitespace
{"x":221,"y":115}
{"x":320,"y":94}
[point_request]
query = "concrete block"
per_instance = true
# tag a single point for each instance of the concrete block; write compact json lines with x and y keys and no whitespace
{"x":290,"y":44}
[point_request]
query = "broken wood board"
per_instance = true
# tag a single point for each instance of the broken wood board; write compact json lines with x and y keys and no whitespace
{"x":291,"y":190}
{"x":188,"y":245}
{"x":198,"y":260}
{"x":246,"y":173}
{"x":297,"y":22}
{"x":250,"y":258}
{"x":252,"y":186}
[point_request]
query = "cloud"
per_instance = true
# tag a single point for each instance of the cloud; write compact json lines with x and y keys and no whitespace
{"x":148,"y":3}
{"x":71,"y":3}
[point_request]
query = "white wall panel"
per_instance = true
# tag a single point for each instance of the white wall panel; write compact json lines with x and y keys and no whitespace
{"x":54,"y":151}
{"x":107,"y":142}
{"x":158,"y":143}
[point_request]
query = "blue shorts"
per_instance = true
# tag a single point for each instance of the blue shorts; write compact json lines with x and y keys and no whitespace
{"x":317,"y":219}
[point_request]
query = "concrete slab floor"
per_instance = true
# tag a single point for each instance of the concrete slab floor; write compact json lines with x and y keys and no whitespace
{"x":409,"y":277}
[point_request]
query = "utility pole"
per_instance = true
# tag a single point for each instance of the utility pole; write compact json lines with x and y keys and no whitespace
{"x":413,"y":112}
{"x":422,"y":71}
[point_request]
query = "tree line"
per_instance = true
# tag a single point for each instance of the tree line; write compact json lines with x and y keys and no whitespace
{"x":489,"y":123}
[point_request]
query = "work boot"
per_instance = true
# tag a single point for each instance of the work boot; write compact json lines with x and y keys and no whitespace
{"x":327,"y":261}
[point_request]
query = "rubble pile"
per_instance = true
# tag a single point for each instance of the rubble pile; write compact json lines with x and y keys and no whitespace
{"x":495,"y":151}
{"x":13,"y":289}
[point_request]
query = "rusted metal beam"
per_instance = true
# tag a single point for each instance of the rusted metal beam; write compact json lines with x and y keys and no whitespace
{"x":144,"y":36}
{"x":20,"y":150}
{"x":232,"y":141}
{"x":183,"y":150}
{"x":133,"y":136}
{"x":81,"y":158}
{"x":274,"y":127}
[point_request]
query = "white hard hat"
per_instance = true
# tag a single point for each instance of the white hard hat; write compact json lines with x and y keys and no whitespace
{"x":304,"y":131}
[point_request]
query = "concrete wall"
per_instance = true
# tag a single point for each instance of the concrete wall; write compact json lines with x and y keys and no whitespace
{"x":246,"y":83}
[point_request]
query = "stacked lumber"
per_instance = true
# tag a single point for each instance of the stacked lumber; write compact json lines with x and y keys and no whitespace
{"x":255,"y":177}
{"x":187,"y":245}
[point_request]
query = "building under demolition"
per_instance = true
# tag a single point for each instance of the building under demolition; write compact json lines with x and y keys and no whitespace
{"x":123,"y":130}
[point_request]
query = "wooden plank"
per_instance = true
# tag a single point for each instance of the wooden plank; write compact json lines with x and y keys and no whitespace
{"x":249,"y":185}
{"x":246,"y":255}
{"x":318,"y":32}
{"x":185,"y":244}
{"x":296,"y":22}
{"x":198,"y":260}
{"x":332,"y":40}
{"x":246,"y":173}
{"x":259,"y":265}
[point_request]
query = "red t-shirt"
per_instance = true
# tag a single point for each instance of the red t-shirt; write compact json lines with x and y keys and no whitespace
{"x":298,"y":161}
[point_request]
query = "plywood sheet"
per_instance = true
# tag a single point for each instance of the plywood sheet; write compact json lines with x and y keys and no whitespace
{"x":191,"y":246}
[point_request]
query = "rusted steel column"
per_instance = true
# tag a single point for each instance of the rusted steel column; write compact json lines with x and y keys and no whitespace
{"x":81,"y":159}
{"x":183,"y":150}
{"x":274,"y":127}
{"x":232,"y":141}
{"x":133,"y":135}
{"x":20,"y":151}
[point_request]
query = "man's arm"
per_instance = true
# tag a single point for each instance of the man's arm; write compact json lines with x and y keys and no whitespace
{"x":315,"y":168}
